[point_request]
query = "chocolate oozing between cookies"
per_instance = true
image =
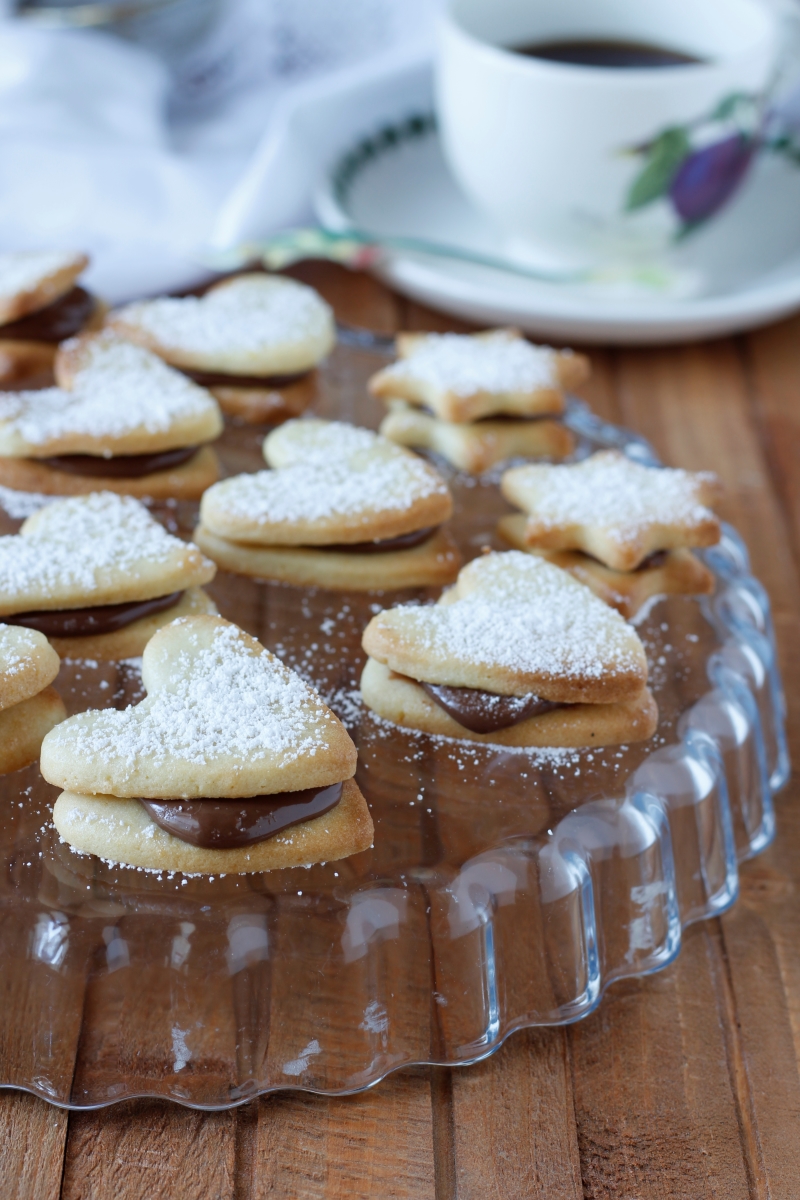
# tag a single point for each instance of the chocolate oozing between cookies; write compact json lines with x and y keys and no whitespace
{"x":121,"y":466}
{"x":217,"y":824}
{"x":212,"y":379}
{"x":486,"y":712}
{"x":62,"y":319}
{"x":84,"y":622}
{"x":403,"y":541}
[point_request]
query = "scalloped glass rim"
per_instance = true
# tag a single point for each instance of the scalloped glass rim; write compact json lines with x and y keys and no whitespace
{"x":527,"y":932}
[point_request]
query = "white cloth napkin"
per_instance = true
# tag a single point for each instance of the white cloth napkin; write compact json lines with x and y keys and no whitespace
{"x":106,"y":148}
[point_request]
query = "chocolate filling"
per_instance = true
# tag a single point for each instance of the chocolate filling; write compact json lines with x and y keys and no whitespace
{"x":121,"y":466}
{"x":80,"y":622}
{"x":486,"y":712}
{"x":226,"y":824}
{"x":220,"y":379}
{"x":656,"y":559}
{"x":403,"y":541}
{"x":62,"y":319}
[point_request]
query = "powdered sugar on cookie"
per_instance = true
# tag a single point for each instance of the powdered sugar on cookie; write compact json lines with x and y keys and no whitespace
{"x":246,"y":315}
{"x":26,"y":270}
{"x":221,"y":700}
{"x":464,"y":364}
{"x":334,"y":490}
{"x":78,"y":544}
{"x":17,"y":644}
{"x":119,"y":389}
{"x":520,"y":613}
{"x":611,"y":492}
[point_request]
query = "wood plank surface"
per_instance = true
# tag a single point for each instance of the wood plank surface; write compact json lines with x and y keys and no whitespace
{"x":682,"y":1086}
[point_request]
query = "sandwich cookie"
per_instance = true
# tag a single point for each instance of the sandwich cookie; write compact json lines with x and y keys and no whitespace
{"x":517,"y":653}
{"x":29,"y":707}
{"x":478,"y":399}
{"x":121,"y":420}
{"x":342,"y":508}
{"x":231,"y":764}
{"x":624,"y":529}
{"x":253,"y":341}
{"x":476,"y":446}
{"x":98,"y":576}
{"x":41,"y":304}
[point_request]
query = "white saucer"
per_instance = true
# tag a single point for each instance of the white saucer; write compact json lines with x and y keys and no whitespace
{"x":743,"y":271}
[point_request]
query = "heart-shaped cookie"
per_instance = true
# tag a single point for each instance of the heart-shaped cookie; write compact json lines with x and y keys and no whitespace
{"x":333,"y":487}
{"x":514,"y":625}
{"x":223,"y":719}
{"x":29,"y":708}
{"x":252,"y":325}
{"x":332,"y":484}
{"x":76,"y":563}
{"x":615,"y":509}
{"x":517,"y":653}
{"x":462,"y":377}
{"x":117,"y":402}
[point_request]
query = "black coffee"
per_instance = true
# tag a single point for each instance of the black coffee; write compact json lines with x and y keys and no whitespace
{"x":596,"y":52}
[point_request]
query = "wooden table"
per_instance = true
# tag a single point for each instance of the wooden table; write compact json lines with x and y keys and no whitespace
{"x":684,"y":1085}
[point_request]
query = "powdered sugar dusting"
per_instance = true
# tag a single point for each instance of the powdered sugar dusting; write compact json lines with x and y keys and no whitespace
{"x":16,"y":646}
{"x":251,"y":313}
{"x":121,"y":388}
{"x":337,"y":471}
{"x":25,"y":271}
{"x":20,"y":505}
{"x":221,"y":700}
{"x":464,"y":364}
{"x":524,"y":615}
{"x":78,"y":543}
{"x":609,"y":491}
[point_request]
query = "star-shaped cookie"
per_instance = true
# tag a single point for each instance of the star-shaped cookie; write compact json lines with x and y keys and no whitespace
{"x":120,"y":420}
{"x":517,"y":636}
{"x":614,"y":509}
{"x":29,"y":707}
{"x":249,"y":339}
{"x":462,"y":377}
{"x":202,"y":774}
{"x":99,"y":575}
{"x":341,"y":508}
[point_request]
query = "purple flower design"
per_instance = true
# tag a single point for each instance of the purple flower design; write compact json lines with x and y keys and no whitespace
{"x":708,"y":178}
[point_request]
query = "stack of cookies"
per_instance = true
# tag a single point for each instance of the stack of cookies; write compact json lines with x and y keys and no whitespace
{"x":41,"y":304}
{"x":121,"y":420}
{"x":517,"y":653}
{"x":253,"y":341}
{"x":98,"y":576}
{"x":625,"y":530}
{"x":231,"y":763}
{"x":478,"y":399}
{"x":341,"y":508}
{"x":29,"y":707}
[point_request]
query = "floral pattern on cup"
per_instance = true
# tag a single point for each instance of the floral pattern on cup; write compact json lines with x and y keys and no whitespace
{"x":698,"y":167}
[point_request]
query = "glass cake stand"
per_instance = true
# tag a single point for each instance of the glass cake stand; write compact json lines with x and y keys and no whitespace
{"x":505,"y":889}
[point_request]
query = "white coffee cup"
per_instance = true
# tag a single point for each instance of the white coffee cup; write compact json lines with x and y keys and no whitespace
{"x":554,"y":153}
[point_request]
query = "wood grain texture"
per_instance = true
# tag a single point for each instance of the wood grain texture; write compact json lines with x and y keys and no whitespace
{"x":375,"y":1144}
{"x":32,"y":1139}
{"x":143,"y":1149}
{"x":683,"y":1086}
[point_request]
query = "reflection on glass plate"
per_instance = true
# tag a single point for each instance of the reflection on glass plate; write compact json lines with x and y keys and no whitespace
{"x":505,"y":888}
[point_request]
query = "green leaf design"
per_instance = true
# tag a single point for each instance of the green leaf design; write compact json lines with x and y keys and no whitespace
{"x":729,"y":104}
{"x":664,"y":155}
